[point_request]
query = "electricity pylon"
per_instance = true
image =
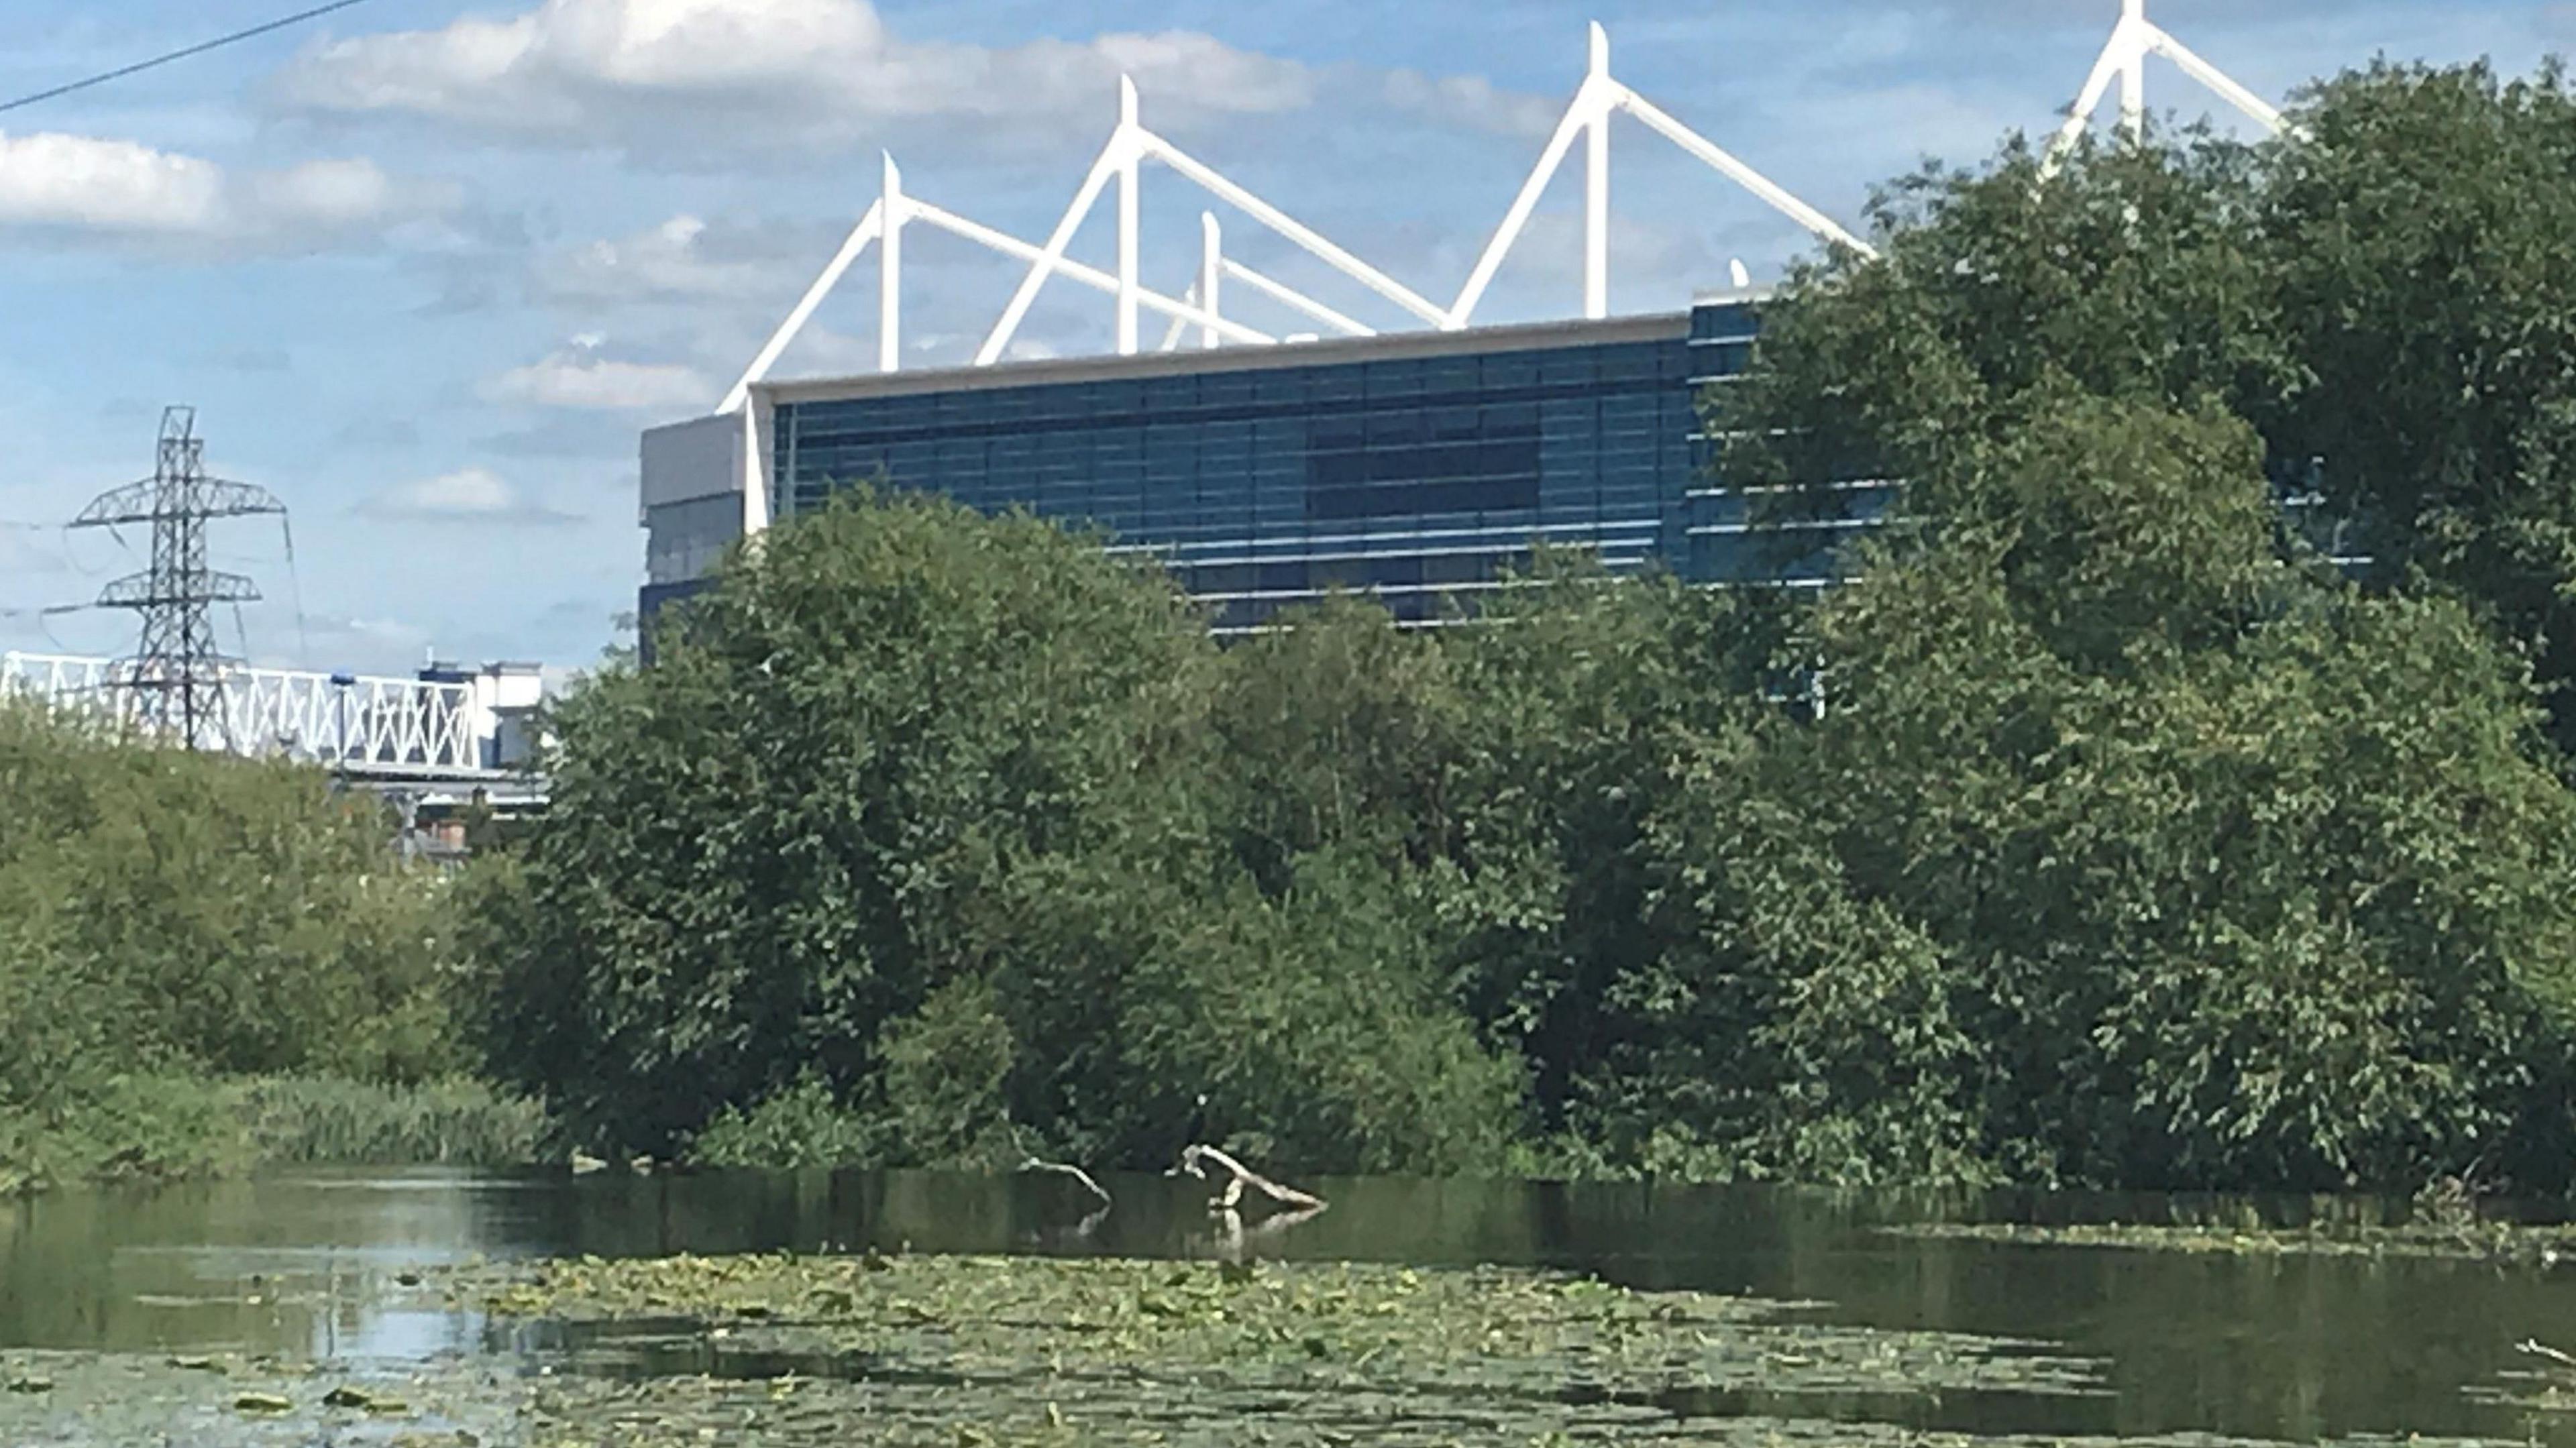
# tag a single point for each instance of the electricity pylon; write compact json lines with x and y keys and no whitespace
{"x":177,"y":673}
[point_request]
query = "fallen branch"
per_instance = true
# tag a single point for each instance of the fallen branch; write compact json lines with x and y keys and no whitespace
{"x":2539,"y":1349}
{"x":1067,"y":1169}
{"x":1241,"y":1176}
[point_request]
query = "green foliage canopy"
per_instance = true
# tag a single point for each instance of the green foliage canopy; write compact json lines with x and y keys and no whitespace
{"x":2098,"y":830}
{"x":168,"y":914}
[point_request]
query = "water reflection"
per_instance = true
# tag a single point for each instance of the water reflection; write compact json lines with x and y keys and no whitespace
{"x":2285,"y":1347}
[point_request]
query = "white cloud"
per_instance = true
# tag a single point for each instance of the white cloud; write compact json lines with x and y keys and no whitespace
{"x":682,"y":259}
{"x":385,"y":645}
{"x":1474,"y":103}
{"x":578,"y":377}
{"x":49,"y":179}
{"x":51,"y":182}
{"x":672,"y":71}
{"x":469,"y":495}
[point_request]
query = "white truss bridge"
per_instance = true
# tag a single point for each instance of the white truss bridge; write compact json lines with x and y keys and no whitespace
{"x":428,"y":738}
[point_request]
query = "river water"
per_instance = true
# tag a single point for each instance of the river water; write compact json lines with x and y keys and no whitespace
{"x":2287,"y":1347}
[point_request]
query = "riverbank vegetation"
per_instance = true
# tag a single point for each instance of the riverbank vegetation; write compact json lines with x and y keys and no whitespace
{"x":2103,"y":829}
{"x":206,"y":963}
{"x":2174,"y":796}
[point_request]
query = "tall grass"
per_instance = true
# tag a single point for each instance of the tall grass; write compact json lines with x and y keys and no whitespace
{"x":315,"y":1120}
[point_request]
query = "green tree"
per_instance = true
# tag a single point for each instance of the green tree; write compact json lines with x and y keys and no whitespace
{"x":1317,"y":1026}
{"x":805,"y":818}
{"x":171,"y":922}
{"x":2272,"y":895}
{"x":1271,"y":963}
{"x":1338,"y":729}
{"x":201,"y":912}
{"x":2129,"y":275}
{"x":2384,"y":293}
{"x":2422,"y":233}
{"x":1582,"y":692}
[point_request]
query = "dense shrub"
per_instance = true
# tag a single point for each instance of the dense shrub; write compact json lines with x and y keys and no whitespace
{"x":168,"y":917}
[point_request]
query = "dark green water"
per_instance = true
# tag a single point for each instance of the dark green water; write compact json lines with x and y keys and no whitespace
{"x":2281,"y":1347}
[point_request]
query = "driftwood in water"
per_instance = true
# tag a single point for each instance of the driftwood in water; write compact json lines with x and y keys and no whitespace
{"x":2540,"y":1349}
{"x":1061,"y":1168}
{"x":1091,"y":1220}
{"x":1194,"y":1160}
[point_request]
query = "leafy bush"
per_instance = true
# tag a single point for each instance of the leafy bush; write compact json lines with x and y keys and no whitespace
{"x":803,"y":1126}
{"x":946,"y":1069}
{"x":802,"y":819}
{"x":218,"y":914}
{"x":170,"y":921}
{"x":1313,"y":1027}
{"x":125,"y":1127}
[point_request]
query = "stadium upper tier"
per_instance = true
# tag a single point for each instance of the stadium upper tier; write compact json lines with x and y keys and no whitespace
{"x":1418,"y":467}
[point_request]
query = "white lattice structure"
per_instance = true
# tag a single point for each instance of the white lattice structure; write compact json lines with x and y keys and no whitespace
{"x":380,"y":727}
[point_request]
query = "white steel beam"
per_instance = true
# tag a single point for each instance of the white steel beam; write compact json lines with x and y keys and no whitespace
{"x":1112,"y":156}
{"x":312,"y":717}
{"x":859,"y":237}
{"x":1172,"y":333}
{"x":1128,"y":222}
{"x":1130,"y":145}
{"x":1291,"y":297}
{"x":1211,"y":273}
{"x":2254,"y":106}
{"x":1742,"y":175}
{"x":1289,"y":227}
{"x":2124,"y":57}
{"x":2112,"y":64}
{"x":1596,"y":189}
{"x":890,"y":270}
{"x":1578,"y":114}
{"x":2133,"y":76}
{"x":1090,"y":276}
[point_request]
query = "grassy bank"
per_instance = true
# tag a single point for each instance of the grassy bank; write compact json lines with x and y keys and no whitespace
{"x":159,"y":1128}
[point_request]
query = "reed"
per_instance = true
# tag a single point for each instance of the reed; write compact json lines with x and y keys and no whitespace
{"x":459,"y":1121}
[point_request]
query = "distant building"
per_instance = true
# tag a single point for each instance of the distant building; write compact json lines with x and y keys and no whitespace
{"x":1418,"y":467}
{"x":500,"y":706}
{"x":1265,"y":469}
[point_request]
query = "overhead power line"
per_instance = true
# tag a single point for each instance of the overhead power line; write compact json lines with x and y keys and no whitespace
{"x":200,"y":48}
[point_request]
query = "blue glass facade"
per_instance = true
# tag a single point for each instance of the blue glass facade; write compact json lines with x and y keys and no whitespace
{"x":1418,"y":468}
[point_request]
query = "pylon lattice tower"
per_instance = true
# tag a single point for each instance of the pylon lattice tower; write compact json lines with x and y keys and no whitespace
{"x":177,"y":674}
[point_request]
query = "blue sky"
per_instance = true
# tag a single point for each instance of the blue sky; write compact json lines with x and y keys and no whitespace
{"x":426,"y":268}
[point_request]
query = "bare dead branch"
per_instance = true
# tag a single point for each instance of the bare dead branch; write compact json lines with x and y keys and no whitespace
{"x":1194,"y":1160}
{"x":2538,"y":1349}
{"x":1060,"y":1168}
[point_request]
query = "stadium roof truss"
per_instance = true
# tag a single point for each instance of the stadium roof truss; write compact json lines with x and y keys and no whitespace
{"x":1587,"y":118}
{"x":1120,"y":163}
{"x":2124,"y":59}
